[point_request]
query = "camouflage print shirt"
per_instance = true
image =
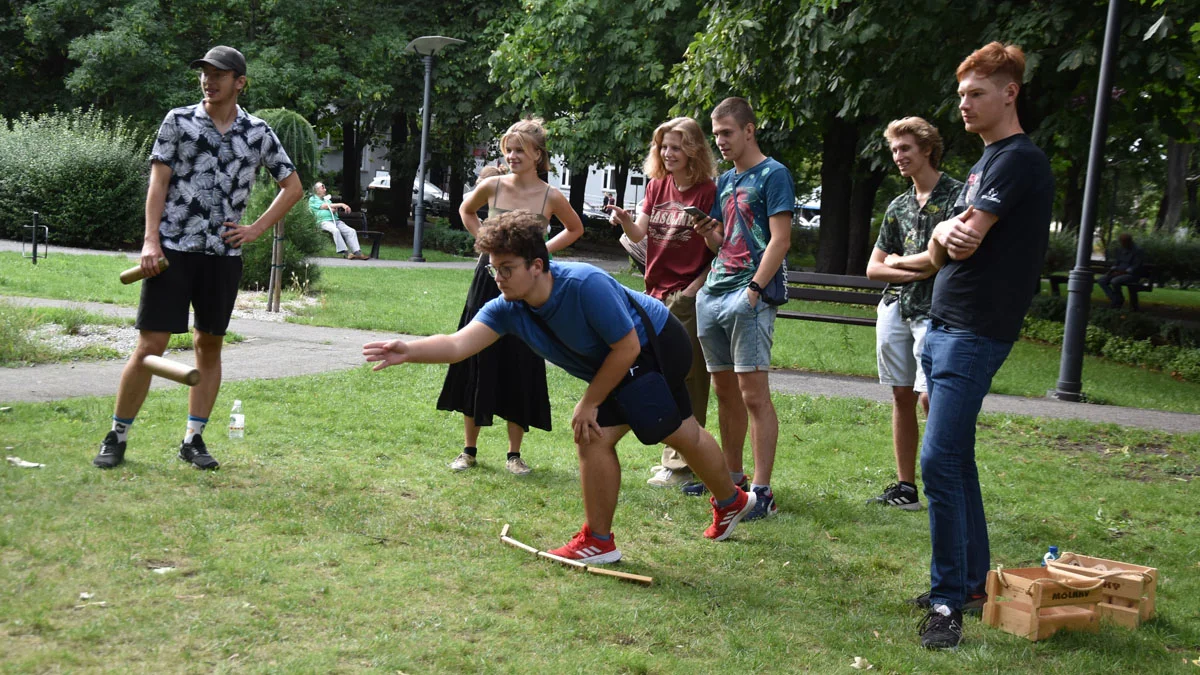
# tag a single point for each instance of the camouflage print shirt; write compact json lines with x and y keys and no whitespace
{"x":905,"y":231}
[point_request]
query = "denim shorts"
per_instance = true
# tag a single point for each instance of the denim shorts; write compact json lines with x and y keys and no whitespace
{"x":734,"y":335}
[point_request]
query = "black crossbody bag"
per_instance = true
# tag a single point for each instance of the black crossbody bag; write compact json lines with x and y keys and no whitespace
{"x":644,"y":397}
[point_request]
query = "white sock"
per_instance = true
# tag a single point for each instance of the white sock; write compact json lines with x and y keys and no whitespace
{"x":195,"y":427}
{"x":121,"y":427}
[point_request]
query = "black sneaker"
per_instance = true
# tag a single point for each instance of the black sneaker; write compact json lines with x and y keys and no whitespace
{"x":696,"y":488}
{"x":197,"y":453}
{"x":899,"y":495}
{"x":973,"y":606}
{"x":111,"y":454}
{"x":941,"y":631}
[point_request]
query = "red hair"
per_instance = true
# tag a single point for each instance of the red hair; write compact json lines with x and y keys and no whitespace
{"x":1006,"y":61}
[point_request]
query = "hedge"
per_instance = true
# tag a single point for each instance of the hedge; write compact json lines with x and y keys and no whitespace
{"x":86,"y":177}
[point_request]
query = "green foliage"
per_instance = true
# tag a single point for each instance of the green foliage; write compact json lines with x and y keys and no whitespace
{"x":1128,"y":338}
{"x":302,"y":239}
{"x":1048,"y":307}
{"x":438,"y":235}
{"x":15,"y":343}
{"x":298,"y":139}
{"x":1176,"y":259}
{"x":1060,"y":253}
{"x":85,"y":175}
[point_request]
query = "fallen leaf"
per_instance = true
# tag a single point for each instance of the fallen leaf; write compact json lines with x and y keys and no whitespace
{"x":789,"y":562}
{"x":861,"y":664}
{"x":86,"y":596}
{"x":876,"y":633}
{"x":828,"y":536}
{"x":18,"y":462}
{"x":163,"y":570}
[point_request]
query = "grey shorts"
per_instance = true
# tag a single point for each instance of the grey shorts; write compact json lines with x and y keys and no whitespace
{"x":898,"y":346}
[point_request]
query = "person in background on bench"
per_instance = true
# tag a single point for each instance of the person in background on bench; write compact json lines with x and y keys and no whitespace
{"x":324,"y":209}
{"x":681,"y":170}
{"x":507,"y":379}
{"x":990,"y":260}
{"x":751,"y":222}
{"x":901,"y":258}
{"x":1125,"y":272}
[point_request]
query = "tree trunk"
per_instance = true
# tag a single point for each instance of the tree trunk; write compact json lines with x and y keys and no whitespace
{"x":862,"y":207}
{"x":1177,"y":163}
{"x":1193,"y":211}
{"x":458,"y":176}
{"x":1072,"y":214}
{"x":351,"y":161}
{"x":579,"y":176}
{"x":621,"y":177}
{"x":404,"y":154}
{"x":838,"y":147}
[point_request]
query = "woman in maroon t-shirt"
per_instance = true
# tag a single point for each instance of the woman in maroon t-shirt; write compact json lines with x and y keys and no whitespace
{"x":681,"y":168}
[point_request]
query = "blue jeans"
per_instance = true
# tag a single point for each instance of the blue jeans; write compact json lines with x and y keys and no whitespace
{"x":959,"y":365}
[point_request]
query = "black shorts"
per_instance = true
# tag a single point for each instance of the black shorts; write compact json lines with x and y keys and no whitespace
{"x":206,"y":283}
{"x":675,"y":364}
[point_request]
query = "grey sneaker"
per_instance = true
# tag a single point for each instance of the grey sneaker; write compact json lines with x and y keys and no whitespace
{"x":462,"y":462}
{"x":670,"y":477}
{"x":517,"y":466}
{"x":196,"y":453}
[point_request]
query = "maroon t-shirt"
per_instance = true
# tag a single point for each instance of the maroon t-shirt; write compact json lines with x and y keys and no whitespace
{"x":675,"y":254}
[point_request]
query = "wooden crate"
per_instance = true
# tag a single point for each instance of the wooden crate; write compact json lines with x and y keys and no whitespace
{"x":1128,"y":596}
{"x":1033,"y":604}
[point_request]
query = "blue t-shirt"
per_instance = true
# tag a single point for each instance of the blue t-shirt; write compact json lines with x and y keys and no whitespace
{"x":989,"y":292}
{"x":745,"y":203}
{"x":588,"y":310}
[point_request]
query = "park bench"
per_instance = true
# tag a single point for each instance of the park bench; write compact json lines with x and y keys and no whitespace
{"x":358,"y":221}
{"x":1145,"y":283}
{"x":841,"y":289}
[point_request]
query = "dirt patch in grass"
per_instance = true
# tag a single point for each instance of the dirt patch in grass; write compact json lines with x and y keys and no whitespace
{"x":1145,"y":462}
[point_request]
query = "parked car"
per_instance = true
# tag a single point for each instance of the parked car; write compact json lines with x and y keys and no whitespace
{"x":437,"y":202}
{"x":594,"y":215}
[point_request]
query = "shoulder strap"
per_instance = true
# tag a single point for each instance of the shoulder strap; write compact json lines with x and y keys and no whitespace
{"x":545,"y":198}
{"x":647,"y":324}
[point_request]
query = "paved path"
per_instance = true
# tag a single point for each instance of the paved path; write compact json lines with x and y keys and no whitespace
{"x":274,"y":350}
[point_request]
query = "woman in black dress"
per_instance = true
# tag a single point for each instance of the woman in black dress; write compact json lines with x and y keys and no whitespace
{"x":506,"y":380}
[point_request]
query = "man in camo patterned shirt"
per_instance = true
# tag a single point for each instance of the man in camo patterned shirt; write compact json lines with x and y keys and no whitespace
{"x":201,"y":170}
{"x":901,"y":259}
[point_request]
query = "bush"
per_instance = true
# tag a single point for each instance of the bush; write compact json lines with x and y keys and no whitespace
{"x":84,"y":175}
{"x":439,"y":236}
{"x":1048,"y":308}
{"x":303,"y":239}
{"x":1175,"y":260}
{"x":1132,"y":325}
{"x":1060,"y":252}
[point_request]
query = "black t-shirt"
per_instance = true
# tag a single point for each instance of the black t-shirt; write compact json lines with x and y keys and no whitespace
{"x":989,"y":292}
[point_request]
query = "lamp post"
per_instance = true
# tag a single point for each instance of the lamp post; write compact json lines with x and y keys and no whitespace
{"x":1079,"y":281}
{"x":426,"y":47}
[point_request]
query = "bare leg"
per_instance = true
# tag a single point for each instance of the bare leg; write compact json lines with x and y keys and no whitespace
{"x":764,"y":425}
{"x":904,"y":432}
{"x":600,"y":477}
{"x":704,"y":457}
{"x":470,"y":432}
{"x":135,"y":379}
{"x":208,"y":361}
{"x":732,"y":418}
{"x":515,"y":435}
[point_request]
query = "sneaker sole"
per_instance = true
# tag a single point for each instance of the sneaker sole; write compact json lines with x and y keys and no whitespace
{"x":601,"y":559}
{"x":213,"y":467}
{"x":98,"y":465}
{"x":751,"y":502}
{"x":907,"y":507}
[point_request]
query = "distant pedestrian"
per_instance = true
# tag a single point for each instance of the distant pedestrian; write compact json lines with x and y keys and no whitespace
{"x":1125,"y":271}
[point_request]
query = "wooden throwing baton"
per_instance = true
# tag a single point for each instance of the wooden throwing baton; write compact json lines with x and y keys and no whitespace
{"x":172,"y":370}
{"x":623,"y":576}
{"x":136,"y":274}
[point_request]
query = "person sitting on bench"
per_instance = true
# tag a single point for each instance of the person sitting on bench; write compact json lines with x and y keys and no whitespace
{"x":324,"y":209}
{"x":1126,"y":271}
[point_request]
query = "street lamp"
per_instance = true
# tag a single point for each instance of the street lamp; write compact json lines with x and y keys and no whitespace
{"x":427,"y":47}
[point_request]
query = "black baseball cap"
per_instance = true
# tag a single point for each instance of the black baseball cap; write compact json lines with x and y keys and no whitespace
{"x":225,"y":58}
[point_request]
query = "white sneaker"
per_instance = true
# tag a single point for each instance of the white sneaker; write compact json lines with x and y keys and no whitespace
{"x":670,"y":477}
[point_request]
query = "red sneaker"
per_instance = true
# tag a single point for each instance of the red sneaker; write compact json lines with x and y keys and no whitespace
{"x":724,"y":520}
{"x":585,"y":548}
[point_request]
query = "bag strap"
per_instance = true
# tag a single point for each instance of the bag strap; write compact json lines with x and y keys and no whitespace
{"x":652,"y":336}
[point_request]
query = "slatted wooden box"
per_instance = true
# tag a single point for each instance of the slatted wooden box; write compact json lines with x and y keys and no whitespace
{"x":1031,"y":603}
{"x":1128,"y":597}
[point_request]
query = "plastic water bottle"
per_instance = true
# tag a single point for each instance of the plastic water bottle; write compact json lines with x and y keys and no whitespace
{"x":1052,"y":554}
{"x":237,"y":421}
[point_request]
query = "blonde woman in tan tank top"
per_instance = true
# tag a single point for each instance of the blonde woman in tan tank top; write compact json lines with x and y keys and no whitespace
{"x":507,"y":379}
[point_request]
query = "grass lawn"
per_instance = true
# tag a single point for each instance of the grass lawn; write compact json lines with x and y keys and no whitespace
{"x":347,"y":546}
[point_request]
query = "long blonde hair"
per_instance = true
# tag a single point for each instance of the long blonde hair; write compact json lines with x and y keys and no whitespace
{"x":700,"y":163}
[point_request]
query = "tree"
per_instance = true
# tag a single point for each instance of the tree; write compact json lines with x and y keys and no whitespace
{"x":596,"y":72}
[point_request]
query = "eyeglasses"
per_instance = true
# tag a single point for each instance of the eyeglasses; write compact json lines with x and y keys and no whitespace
{"x":504,"y":272}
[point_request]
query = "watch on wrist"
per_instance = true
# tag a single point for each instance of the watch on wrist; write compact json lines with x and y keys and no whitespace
{"x":755,"y":287}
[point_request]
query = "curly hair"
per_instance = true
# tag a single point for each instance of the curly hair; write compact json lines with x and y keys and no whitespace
{"x":700,"y":162}
{"x":519,"y":232}
{"x":992,"y":59}
{"x":530,"y":136}
{"x":926,"y":134}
